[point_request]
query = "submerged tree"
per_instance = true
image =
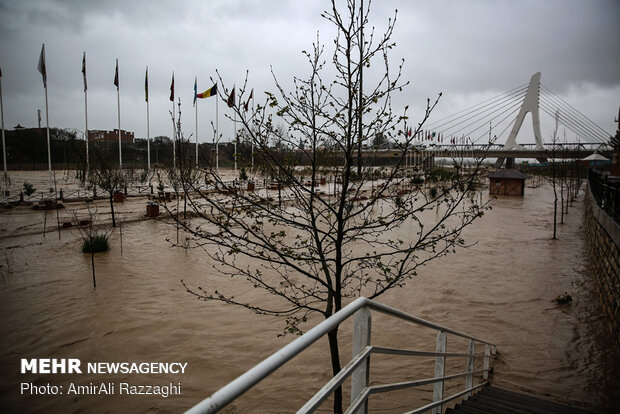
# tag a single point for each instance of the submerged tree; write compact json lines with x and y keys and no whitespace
{"x":322,"y":247}
{"x":105,"y":174}
{"x":94,"y":236}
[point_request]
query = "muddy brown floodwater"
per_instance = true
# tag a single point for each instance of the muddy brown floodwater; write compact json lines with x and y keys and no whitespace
{"x":501,"y":289}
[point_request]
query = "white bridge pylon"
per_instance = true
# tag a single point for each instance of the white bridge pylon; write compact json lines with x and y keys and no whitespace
{"x":530,"y":104}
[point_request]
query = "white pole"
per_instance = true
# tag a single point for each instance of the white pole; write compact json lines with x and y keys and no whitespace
{"x":118,"y":99}
{"x":174,"y":135}
{"x":86,"y":114}
{"x":217,"y":138}
{"x":86,"y":131}
{"x":174,"y":139}
{"x":196,"y":133}
{"x":120,"y":150}
{"x":148,"y":132}
{"x":49,"y":156}
{"x":148,"y":139}
{"x":6,"y":175}
{"x":252,"y":138}
{"x":235,"y":126}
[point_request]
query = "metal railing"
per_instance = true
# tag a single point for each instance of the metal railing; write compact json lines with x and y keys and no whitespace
{"x":358,"y":367}
{"x":606,"y":194}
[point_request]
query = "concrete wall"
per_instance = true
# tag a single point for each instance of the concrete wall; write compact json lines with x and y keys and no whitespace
{"x":603,"y":240}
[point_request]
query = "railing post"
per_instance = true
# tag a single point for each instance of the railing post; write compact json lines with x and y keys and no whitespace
{"x":440,"y":370}
{"x":487,"y":356}
{"x":361,"y":339}
{"x":469,"y":379}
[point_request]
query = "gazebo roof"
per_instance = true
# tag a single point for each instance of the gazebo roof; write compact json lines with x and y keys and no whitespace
{"x":510,"y":174}
{"x":595,"y":156}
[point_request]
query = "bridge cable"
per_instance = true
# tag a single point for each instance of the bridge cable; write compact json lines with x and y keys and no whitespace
{"x":472,"y":109}
{"x":568,"y":119}
{"x":511,"y":105}
{"x":514,"y":101}
{"x":577,"y":116}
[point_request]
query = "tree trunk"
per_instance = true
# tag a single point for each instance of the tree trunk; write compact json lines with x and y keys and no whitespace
{"x":92,"y":257}
{"x":112,"y":209}
{"x":561,"y":202}
{"x":335,"y":355}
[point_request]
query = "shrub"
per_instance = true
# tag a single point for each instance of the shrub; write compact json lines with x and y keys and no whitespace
{"x":99,"y":244}
{"x":564,"y":299}
{"x":28,"y":189}
{"x":432,"y":192}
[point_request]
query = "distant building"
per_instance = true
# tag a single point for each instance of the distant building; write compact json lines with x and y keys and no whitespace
{"x":110,"y":136}
{"x":507,"y":182}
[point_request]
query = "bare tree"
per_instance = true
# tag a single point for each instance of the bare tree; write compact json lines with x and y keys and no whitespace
{"x":319,"y":249}
{"x":554,"y":174}
{"x":104,"y":174}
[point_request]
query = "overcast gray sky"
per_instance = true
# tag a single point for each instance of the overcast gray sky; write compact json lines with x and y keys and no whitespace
{"x":469,"y":50}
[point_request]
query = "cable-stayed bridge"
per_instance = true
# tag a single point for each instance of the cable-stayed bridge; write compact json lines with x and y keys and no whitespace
{"x":478,"y":130}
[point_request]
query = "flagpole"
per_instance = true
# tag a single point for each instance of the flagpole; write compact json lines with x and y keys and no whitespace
{"x":43,"y":70}
{"x":217,"y":142}
{"x":86,"y":131}
{"x":174,"y":134}
{"x":148,"y":132}
{"x":6,"y":175}
{"x":196,"y":134}
{"x":118,"y":106}
{"x":85,"y":111}
{"x":49,"y":157}
{"x":174,"y":139}
{"x":252,"y":138}
{"x":148,"y":139}
{"x":235,"y":136}
{"x":196,"y":105}
{"x":120,"y":151}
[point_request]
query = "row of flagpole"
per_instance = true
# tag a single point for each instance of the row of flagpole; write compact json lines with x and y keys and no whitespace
{"x":206,"y":94}
{"x":213,"y":91}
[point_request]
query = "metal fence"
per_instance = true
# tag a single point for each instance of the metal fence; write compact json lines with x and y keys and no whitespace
{"x":359,"y":366}
{"x":606,"y":193}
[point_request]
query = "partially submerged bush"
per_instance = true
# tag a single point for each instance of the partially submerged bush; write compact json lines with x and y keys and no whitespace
{"x":564,"y":299}
{"x":28,"y":188}
{"x":99,"y":244}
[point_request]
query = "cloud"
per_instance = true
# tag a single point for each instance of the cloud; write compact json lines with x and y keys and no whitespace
{"x":467,"y":50}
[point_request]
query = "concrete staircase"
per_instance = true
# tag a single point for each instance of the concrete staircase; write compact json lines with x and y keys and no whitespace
{"x":494,"y":400}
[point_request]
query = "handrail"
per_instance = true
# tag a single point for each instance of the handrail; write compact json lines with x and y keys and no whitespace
{"x":606,"y":194}
{"x":244,"y":382}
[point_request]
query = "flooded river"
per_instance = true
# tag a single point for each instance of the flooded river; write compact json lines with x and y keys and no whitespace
{"x":501,"y":289}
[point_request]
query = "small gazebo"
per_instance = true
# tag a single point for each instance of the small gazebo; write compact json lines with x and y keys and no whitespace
{"x":595,"y":159}
{"x":507,"y":182}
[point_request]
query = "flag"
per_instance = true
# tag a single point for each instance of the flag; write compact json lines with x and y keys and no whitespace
{"x":172,"y":88}
{"x":208,"y":93}
{"x":116,"y":75}
{"x":409,"y":132}
{"x":231,"y":98}
{"x":84,"y":70}
{"x":247,"y":103}
{"x":42,"y":67}
{"x":146,"y":85}
{"x":195,"y":89}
